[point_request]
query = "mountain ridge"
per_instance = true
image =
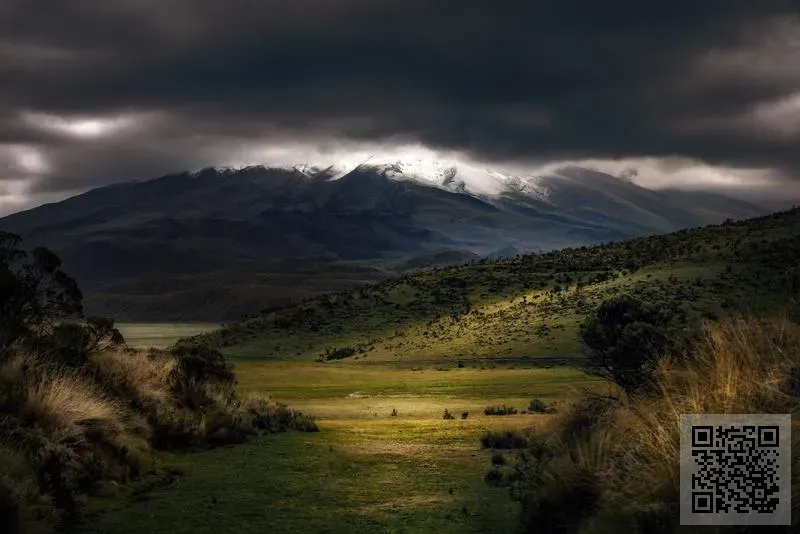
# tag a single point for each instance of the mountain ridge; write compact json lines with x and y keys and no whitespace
{"x":354,"y":226}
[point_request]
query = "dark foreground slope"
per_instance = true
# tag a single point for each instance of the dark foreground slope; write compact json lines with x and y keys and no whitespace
{"x":530,"y":305}
{"x":216,"y":244}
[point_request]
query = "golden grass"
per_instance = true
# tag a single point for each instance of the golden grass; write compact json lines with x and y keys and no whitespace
{"x":61,"y":401}
{"x":143,"y":374}
{"x":65,"y":400}
{"x":740,"y":366}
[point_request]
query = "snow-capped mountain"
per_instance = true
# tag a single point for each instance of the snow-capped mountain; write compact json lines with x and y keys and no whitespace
{"x":448,"y":175}
{"x":297,"y":229}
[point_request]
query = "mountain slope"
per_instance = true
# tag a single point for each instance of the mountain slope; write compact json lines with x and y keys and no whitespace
{"x":218,"y":243}
{"x":531,"y":305}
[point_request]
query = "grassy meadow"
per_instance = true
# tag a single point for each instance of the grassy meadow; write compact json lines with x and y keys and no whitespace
{"x":462,"y":338}
{"x":366,"y":470}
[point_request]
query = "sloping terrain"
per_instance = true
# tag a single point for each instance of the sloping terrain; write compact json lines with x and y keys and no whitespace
{"x":530,"y":305}
{"x":216,"y":244}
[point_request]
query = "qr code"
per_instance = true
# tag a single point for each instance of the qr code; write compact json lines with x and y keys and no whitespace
{"x":735,"y":469}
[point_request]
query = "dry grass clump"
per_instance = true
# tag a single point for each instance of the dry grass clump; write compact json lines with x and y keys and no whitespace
{"x":144,"y":375}
{"x":60,"y":400}
{"x":64,"y":431}
{"x":741,"y":366}
{"x":623,"y":454}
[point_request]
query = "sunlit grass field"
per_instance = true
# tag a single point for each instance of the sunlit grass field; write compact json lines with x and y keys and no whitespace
{"x":366,"y":470}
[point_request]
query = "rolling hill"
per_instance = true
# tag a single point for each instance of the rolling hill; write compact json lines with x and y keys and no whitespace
{"x":529,"y":306}
{"x":216,"y":244}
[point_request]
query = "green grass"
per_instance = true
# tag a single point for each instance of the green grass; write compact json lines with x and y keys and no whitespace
{"x":531,"y":305}
{"x":365,"y":471}
{"x":161,"y":335}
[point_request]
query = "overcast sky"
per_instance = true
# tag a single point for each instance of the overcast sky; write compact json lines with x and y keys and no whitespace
{"x":690,"y":93}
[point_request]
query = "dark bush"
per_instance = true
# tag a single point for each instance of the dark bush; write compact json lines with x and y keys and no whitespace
{"x":464,"y":415}
{"x":625,"y":338}
{"x":509,"y":439}
{"x":498,"y":458}
{"x":499,"y":410}
{"x":538,"y":406}
{"x":338,"y":354}
{"x":201,"y":363}
{"x":68,"y":345}
{"x":447,"y":414}
{"x":274,"y":418}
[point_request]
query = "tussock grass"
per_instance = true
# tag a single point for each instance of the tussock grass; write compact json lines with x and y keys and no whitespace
{"x":66,"y":431}
{"x":143,"y":374}
{"x":627,"y":451}
{"x":741,"y":366}
{"x":62,"y":400}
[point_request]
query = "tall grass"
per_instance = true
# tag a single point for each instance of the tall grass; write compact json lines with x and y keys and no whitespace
{"x":66,"y":431}
{"x":60,"y":400}
{"x":142,"y":374}
{"x":628,"y":450}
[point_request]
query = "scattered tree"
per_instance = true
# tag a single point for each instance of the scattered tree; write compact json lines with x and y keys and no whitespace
{"x":625,"y":338}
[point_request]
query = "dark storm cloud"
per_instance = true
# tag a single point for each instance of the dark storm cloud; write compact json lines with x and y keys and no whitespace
{"x":504,"y":80}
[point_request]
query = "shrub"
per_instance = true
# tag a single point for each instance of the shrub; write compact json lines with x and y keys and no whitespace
{"x":275,"y":417}
{"x":537,"y":406}
{"x":447,"y":414}
{"x":68,"y":345}
{"x":498,"y":458}
{"x":499,"y":410}
{"x":464,"y":415}
{"x":83,"y":411}
{"x":394,"y":412}
{"x":625,"y":339}
{"x":508,"y":439}
{"x":739,"y":366}
{"x":337,"y":354}
{"x":201,"y":363}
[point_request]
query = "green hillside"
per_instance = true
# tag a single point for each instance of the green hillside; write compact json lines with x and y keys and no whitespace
{"x":530,"y":306}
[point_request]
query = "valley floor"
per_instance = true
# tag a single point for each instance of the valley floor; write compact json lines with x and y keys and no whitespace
{"x":366,"y":470}
{"x":161,"y":335}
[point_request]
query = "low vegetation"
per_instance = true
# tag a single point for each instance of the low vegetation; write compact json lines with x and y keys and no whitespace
{"x":507,"y":439}
{"x":533,"y":305}
{"x":657,"y":321}
{"x":499,"y":410}
{"x":539,"y":406}
{"x":612,"y":462}
{"x":79,"y":410}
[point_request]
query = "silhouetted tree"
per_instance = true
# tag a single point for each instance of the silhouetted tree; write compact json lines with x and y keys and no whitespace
{"x":35,"y":294}
{"x":37,"y":302}
{"x":625,"y":338}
